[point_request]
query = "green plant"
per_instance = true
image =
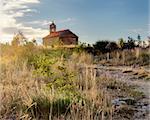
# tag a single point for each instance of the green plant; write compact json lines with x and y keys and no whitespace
{"x":43,"y":65}
{"x":46,"y":107}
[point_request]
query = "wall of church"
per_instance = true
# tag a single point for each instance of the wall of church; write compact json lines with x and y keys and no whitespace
{"x":69,"y":40}
{"x":51,"y":41}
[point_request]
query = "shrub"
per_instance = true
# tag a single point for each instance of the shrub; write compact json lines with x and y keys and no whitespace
{"x":101,"y":46}
{"x":144,"y":59}
{"x":46,"y":107}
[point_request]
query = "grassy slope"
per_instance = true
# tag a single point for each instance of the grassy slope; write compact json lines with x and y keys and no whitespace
{"x":48,"y":84}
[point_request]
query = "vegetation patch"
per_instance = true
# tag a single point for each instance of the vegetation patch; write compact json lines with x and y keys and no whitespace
{"x":41,"y":83}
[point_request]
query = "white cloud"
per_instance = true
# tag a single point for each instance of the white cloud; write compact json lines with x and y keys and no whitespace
{"x":17,"y":4}
{"x":47,"y":22}
{"x":66,"y":20}
{"x":39,"y":22}
{"x":28,"y":10}
{"x":9,"y":11}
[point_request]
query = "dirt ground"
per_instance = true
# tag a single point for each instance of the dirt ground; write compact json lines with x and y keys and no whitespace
{"x":138,"y":77}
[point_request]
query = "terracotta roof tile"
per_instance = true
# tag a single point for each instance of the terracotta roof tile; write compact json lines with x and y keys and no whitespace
{"x":58,"y":33}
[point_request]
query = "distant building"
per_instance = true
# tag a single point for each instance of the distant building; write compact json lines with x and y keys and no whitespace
{"x":62,"y":37}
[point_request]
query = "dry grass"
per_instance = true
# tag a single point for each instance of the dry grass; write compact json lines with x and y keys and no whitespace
{"x":24,"y":95}
{"x":125,"y":57}
{"x":19,"y":88}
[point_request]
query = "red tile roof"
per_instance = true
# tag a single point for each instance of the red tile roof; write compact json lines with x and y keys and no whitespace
{"x":58,"y":33}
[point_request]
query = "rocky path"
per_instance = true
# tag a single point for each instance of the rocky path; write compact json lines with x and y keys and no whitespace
{"x":130,"y":78}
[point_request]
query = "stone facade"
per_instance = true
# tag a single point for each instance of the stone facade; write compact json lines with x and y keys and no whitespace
{"x":62,"y":37}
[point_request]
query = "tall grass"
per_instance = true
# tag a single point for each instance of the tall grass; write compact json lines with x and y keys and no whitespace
{"x":51,"y":84}
{"x":137,"y":57}
{"x":44,"y":84}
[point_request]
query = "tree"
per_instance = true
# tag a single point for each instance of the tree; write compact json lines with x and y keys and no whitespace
{"x":111,"y":46}
{"x":15,"y":41}
{"x":139,"y":37}
{"x":101,"y":46}
{"x":18,"y":39}
{"x":121,"y":43}
{"x":34,"y":41}
{"x":130,"y":44}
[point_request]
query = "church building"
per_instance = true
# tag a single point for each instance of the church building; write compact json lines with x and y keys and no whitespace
{"x":62,"y":37}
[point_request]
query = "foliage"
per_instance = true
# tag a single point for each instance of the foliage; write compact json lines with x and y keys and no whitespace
{"x":18,"y":39}
{"x":130,"y":43}
{"x":139,"y":37}
{"x":46,"y":107}
{"x":111,"y":46}
{"x":52,"y":66}
{"x":42,"y":65}
{"x":101,"y":46}
{"x":42,"y":83}
{"x":121,"y":43}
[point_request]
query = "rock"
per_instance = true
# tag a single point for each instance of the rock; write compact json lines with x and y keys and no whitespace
{"x":144,"y":107}
{"x":117,"y":102}
{"x":123,"y":101}
{"x":129,"y":101}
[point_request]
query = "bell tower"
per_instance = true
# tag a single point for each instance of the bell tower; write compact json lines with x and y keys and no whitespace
{"x":52,"y":27}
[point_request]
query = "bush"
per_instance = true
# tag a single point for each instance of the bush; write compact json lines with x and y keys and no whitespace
{"x":44,"y":83}
{"x":46,"y":107}
{"x":144,"y":59}
{"x":100,"y":46}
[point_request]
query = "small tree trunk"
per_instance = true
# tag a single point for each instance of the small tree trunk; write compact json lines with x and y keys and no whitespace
{"x":123,"y":57}
{"x":137,"y":52}
{"x":108,"y":56}
{"x":117,"y":57}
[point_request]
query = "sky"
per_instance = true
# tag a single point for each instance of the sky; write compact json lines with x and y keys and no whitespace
{"x":91,"y":20}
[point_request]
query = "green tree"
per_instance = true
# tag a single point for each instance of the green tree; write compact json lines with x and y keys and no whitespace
{"x":121,"y":43}
{"x":111,"y":46}
{"x":130,"y":44}
{"x":101,"y":46}
{"x":139,"y":37}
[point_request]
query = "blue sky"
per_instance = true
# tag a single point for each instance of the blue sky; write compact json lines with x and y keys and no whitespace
{"x":91,"y":20}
